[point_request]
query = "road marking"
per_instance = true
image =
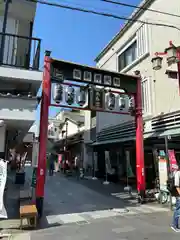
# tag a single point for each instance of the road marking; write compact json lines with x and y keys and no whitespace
{"x":136,"y":210}
{"x":155,"y":208}
{"x":21,"y":236}
{"x":123,"y":195}
{"x":93,"y":215}
{"x":102,"y":214}
{"x":125,"y":229}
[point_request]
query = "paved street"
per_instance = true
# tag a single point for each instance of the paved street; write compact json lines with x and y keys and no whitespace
{"x":68,"y":200}
{"x":87,"y":209}
{"x":134,"y":228}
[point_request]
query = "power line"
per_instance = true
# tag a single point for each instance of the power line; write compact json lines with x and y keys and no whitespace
{"x":78,"y":9}
{"x":85,"y":5}
{"x":142,"y":8}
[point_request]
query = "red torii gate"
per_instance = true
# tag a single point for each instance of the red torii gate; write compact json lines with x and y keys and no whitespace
{"x":58,"y":71}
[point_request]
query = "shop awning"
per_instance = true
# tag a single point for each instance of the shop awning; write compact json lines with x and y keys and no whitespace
{"x":159,"y":134}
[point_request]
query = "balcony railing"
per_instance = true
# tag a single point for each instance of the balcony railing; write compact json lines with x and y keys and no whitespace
{"x":20,"y":51}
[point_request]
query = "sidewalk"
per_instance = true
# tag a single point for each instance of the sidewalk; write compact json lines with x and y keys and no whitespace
{"x":11,"y":225}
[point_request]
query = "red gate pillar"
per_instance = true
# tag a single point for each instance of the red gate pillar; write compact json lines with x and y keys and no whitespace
{"x":45,"y":102}
{"x":141,"y":185}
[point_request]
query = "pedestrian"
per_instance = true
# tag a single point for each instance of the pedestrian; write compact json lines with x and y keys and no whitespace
{"x":51,"y":164}
{"x":77,"y":166}
{"x":174,"y":188}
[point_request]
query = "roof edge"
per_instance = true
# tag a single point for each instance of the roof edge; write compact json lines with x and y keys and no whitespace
{"x":136,"y":13}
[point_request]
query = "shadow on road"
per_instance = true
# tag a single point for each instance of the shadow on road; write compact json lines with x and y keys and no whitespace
{"x":70,"y":200}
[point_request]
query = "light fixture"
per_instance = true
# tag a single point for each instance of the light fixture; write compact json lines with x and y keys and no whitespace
{"x":82,"y":95}
{"x":111,"y":100}
{"x":58,"y":93}
{"x":131,"y":103}
{"x":69,"y":95}
{"x":171,"y":54}
{"x":122,"y":102}
{"x":156,"y":63}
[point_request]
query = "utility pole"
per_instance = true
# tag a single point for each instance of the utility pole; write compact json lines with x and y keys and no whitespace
{"x":6,"y":9}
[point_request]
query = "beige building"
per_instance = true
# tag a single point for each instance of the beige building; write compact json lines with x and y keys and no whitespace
{"x":133,"y":49}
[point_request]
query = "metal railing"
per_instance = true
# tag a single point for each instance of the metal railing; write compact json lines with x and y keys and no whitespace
{"x":20,"y":51}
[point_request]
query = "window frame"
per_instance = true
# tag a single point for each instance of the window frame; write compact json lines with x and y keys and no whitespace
{"x":146,"y":100}
{"x":123,"y":50}
{"x":128,"y":43}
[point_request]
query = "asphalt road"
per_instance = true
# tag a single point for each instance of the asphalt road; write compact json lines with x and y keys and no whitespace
{"x":86,"y":209}
{"x":140,"y":227}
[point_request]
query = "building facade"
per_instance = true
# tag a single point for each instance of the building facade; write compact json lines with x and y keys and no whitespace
{"x":19,"y":73}
{"x":133,"y":49}
{"x":66,"y":132}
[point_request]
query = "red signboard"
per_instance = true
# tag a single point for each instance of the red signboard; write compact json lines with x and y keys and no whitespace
{"x":172,"y":160}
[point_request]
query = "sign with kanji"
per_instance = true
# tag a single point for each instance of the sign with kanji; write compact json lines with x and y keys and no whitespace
{"x":34,"y":178}
{"x":97,"y":100}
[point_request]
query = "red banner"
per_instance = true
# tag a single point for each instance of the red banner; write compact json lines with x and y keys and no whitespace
{"x":172,"y":160}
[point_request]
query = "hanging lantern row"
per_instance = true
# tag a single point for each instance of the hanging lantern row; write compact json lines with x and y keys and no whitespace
{"x":70,"y":95}
{"x":98,"y":98}
{"x":120,"y":101}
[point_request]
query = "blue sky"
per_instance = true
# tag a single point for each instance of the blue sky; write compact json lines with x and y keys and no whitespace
{"x":76,"y":36}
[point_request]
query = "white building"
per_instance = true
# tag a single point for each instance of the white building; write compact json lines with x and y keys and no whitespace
{"x":19,"y":73}
{"x":133,"y":49}
{"x":66,"y":131}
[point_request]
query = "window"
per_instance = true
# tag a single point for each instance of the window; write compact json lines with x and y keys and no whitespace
{"x":146,"y":96}
{"x":128,"y":56}
{"x":135,"y":48}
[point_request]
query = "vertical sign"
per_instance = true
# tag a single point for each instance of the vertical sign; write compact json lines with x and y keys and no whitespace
{"x":97,"y":98}
{"x":3,"y":178}
{"x":128,"y":165}
{"x":163,"y":177}
{"x":35,"y":154}
{"x":172,"y":161}
{"x":34,"y":177}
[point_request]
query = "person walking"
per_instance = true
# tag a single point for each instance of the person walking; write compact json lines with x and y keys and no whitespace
{"x":77,"y":166}
{"x":174,"y":189}
{"x":51,"y":164}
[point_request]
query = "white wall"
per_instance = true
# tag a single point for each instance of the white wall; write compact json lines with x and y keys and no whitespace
{"x":163,"y":93}
{"x":72,"y":128}
{"x":17,"y":109}
{"x":53,"y":131}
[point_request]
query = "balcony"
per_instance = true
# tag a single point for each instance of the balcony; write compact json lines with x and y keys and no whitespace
{"x":20,"y":51}
{"x":20,"y":109}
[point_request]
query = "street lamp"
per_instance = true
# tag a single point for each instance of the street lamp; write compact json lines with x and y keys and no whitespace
{"x":171,"y":54}
{"x":157,"y":63}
